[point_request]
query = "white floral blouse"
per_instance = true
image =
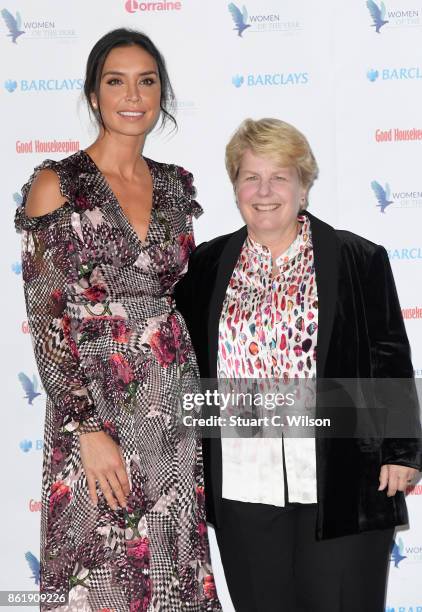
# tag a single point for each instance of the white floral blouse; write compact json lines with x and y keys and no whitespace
{"x":268,"y":329}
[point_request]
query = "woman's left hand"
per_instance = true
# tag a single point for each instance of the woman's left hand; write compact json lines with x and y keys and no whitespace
{"x":396,"y":477}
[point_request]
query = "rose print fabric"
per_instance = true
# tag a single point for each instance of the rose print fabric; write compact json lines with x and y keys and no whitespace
{"x":268,"y":329}
{"x":114,"y":355}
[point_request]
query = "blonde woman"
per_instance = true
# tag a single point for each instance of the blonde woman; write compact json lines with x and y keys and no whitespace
{"x":302,"y":524}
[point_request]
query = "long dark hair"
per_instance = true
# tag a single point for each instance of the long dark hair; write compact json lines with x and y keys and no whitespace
{"x":123,"y":37}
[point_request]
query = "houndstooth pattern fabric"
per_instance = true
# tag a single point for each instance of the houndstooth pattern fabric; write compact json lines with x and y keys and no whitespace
{"x":114,"y":355}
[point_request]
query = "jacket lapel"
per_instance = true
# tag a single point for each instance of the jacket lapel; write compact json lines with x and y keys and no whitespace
{"x":326,"y":255}
{"x":227,"y":263}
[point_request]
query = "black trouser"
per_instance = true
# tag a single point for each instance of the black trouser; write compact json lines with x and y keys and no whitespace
{"x":273,"y":563}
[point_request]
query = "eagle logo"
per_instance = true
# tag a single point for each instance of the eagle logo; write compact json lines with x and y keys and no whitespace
{"x":397,"y":552}
{"x":29,"y":386}
{"x":382,"y":195}
{"x":378,"y":14}
{"x":240,"y":17}
{"x":13,"y":24}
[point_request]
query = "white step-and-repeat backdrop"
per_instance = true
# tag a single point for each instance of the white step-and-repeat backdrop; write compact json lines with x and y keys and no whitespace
{"x":349,"y":75}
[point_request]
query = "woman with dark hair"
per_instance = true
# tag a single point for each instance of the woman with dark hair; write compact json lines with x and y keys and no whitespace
{"x":106,"y":235}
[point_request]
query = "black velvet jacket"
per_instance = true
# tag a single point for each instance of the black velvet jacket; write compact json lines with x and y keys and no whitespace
{"x":360,"y":335}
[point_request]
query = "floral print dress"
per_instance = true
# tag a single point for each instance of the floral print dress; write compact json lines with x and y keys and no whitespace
{"x":114,"y":355}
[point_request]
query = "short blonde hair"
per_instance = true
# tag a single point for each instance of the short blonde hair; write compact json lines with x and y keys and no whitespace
{"x":275,"y":139}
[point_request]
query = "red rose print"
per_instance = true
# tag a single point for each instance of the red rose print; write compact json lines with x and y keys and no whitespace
{"x":209,"y":587}
{"x":200,"y":495}
{"x":59,"y":493}
{"x":162,"y":345}
{"x":82,"y":203}
{"x":187,"y":245}
{"x":119,"y":330}
{"x":67,"y":332}
{"x":57,"y":303}
{"x":202,"y":529}
{"x":121,"y":369}
{"x":96,"y":293}
{"x":57,"y":455}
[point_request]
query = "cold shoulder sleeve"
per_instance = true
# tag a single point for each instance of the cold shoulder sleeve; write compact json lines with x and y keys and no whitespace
{"x":47,"y":248}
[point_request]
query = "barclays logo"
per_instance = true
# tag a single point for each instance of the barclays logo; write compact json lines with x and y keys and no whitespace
{"x":27,"y":445}
{"x":417,"y":608}
{"x":238,"y":80}
{"x":372,"y":75}
{"x":17,"y":267}
{"x":412,"y":253}
{"x":43,"y":85}
{"x":10,"y":85}
{"x":395,"y":74}
{"x":271,"y":79}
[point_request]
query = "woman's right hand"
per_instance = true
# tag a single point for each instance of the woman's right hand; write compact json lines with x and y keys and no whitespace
{"x":103,"y":463}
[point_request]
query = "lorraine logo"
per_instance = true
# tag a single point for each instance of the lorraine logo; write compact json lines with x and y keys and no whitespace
{"x":238,"y":80}
{"x":132,"y":6}
{"x":13,"y":24}
{"x":382,"y":194}
{"x":372,"y":75}
{"x":397,"y":551}
{"x":240,"y":18}
{"x":378,"y":14}
{"x":10,"y":85}
{"x":29,"y":386}
{"x":34,"y":566}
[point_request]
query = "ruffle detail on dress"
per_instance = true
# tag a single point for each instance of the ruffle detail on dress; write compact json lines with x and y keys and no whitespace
{"x":25,"y":223}
{"x":68,"y":184}
{"x":191,"y":205}
{"x":67,"y":189}
{"x":181,"y":182}
{"x":75,"y":174}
